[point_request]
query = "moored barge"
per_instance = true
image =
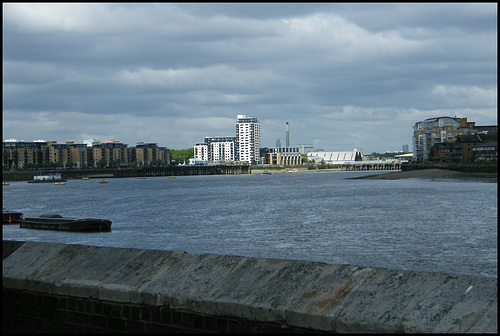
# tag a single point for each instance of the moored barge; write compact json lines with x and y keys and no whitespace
{"x":58,"y":223}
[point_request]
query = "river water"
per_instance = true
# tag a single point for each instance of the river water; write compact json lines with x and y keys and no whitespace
{"x":437,"y":225}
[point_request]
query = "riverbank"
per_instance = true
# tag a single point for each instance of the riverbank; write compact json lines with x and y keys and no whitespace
{"x":282,"y":170}
{"x":432,"y":174}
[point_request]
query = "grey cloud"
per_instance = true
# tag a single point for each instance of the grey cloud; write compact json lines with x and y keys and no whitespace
{"x":174,"y":67}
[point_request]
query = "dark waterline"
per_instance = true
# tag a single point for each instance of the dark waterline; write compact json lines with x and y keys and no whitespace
{"x":435,"y":225}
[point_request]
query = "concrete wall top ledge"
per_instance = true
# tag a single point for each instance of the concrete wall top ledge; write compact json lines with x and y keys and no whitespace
{"x":318,"y":296}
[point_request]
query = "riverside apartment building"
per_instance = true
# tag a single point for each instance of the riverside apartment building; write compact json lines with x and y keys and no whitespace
{"x":449,"y":139}
{"x":16,"y":154}
{"x":248,"y":137}
{"x":244,"y":147}
{"x":216,"y":150}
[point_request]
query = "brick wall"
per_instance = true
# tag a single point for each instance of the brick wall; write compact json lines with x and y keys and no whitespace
{"x":32,"y":312}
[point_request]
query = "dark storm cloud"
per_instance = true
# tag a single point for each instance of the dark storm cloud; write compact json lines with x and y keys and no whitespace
{"x":343,"y":75}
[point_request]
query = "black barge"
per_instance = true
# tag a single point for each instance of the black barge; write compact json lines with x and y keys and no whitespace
{"x":58,"y":223}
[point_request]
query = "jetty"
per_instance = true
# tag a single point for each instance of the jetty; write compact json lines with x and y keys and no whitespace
{"x":182,"y":171}
{"x":105,"y":173}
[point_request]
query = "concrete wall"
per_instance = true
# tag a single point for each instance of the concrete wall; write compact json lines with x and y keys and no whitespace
{"x":60,"y":287}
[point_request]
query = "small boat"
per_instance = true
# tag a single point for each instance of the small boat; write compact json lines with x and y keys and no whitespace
{"x":85,"y":178}
{"x":142,"y":177}
{"x":172,"y":177}
{"x":103,"y":181}
{"x":5,"y":183}
{"x":59,"y":223}
{"x":265,"y":172}
{"x":50,"y":178}
{"x":59,"y":183}
{"x":11,"y":217}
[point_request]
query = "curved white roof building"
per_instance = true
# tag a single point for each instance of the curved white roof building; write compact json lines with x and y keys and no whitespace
{"x":334,"y":157}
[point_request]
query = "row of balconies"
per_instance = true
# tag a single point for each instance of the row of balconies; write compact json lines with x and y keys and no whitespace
{"x":82,"y":157}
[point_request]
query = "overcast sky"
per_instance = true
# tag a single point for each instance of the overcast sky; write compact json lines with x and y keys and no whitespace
{"x":343,"y":75}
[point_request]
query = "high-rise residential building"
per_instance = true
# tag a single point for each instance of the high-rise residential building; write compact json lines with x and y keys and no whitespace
{"x":248,"y":139}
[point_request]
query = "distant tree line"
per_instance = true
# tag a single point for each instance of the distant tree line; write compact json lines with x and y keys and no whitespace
{"x":181,"y":155}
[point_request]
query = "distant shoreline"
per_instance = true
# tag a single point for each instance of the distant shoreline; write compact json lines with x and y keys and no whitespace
{"x":432,"y":173}
{"x":279,"y":171}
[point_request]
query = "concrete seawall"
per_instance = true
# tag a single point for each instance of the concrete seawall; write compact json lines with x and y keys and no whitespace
{"x":57,"y":287}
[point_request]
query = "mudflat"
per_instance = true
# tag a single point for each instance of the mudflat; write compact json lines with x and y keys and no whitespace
{"x":433,"y":173}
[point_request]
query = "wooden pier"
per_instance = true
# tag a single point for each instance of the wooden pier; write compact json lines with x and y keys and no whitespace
{"x":182,"y":171}
{"x":360,"y":165}
{"x":130,"y":172}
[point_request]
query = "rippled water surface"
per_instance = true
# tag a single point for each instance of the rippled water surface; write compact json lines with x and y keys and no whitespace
{"x":440,"y":225}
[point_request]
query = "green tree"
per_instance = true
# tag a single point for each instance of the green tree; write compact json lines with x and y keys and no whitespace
{"x":181,"y":155}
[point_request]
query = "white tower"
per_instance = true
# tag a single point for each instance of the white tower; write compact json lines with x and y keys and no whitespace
{"x":248,"y":138}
